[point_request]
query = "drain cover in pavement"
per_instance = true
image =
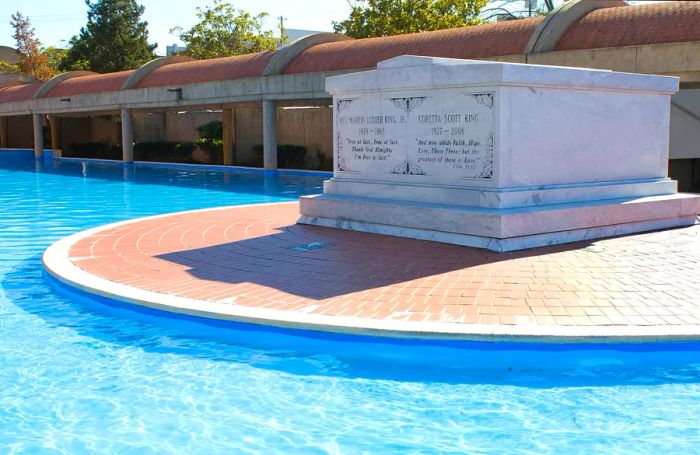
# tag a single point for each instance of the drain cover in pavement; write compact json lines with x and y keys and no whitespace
{"x":313,"y":246}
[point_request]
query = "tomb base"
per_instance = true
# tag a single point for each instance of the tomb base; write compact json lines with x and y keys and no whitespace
{"x":499,"y":155}
{"x":501,"y":230}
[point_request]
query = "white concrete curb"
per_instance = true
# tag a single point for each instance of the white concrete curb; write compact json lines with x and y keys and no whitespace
{"x":57,"y":263}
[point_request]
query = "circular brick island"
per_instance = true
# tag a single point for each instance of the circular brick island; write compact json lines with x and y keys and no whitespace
{"x":254,"y":264}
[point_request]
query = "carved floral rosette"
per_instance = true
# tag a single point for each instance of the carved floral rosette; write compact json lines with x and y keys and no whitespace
{"x":408,"y":104}
{"x":486,"y":99}
{"x":487,"y":170}
{"x":341,"y":105}
{"x":408,"y":167}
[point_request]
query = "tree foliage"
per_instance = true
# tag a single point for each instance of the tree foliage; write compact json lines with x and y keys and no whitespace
{"x":114,"y":38}
{"x":223,"y":30}
{"x":8,"y":68}
{"x":54,"y":56}
{"x":517,"y":9}
{"x":31,"y":60}
{"x":370,"y":18}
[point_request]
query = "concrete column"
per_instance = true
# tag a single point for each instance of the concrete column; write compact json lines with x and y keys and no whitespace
{"x":55,"y":127}
{"x":127,"y":137}
{"x":229,"y":122}
{"x":3,"y":133}
{"x":270,"y":135}
{"x":38,"y":121}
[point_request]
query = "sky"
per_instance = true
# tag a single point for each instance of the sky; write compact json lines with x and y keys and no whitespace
{"x":56,"y":21}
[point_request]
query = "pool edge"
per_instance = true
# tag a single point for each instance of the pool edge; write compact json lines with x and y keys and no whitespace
{"x":57,"y":265}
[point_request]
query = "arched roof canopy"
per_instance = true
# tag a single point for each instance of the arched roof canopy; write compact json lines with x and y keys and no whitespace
{"x":147,"y":68}
{"x":97,"y":83}
{"x":612,"y":27}
{"x":664,"y":22}
{"x":215,"y":69}
{"x":283,"y":57}
{"x":502,"y":38}
{"x":19,"y":92}
{"x":59,"y":78}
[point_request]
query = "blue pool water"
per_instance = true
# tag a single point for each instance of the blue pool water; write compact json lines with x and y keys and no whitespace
{"x":78,"y":376}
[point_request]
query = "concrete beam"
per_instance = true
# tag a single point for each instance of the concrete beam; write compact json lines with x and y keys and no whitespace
{"x":127,"y":137}
{"x":215,"y":93}
{"x":674,"y":58}
{"x":54,"y":81}
{"x":270,"y":135}
{"x":38,"y":122}
{"x":555,"y":24}
{"x":144,"y":70}
{"x":667,"y":58}
{"x":80,"y":114}
{"x":284,"y":56}
{"x":323,"y":102}
{"x":609,"y":58}
{"x":17,"y":108}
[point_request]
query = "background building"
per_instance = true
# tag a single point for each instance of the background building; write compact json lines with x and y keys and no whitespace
{"x":272,"y":98}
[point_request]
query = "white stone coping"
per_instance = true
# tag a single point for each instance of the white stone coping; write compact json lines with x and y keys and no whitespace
{"x":408,"y":72}
{"x":57,"y":263}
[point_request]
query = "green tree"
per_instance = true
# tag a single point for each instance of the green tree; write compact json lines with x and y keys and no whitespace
{"x":370,"y":18}
{"x":8,"y":68}
{"x":517,"y":9}
{"x":31,"y":60}
{"x":54,"y":56}
{"x":223,"y":30}
{"x":114,"y":38}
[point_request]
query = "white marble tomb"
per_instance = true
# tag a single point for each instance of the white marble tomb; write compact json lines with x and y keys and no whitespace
{"x":497,"y":155}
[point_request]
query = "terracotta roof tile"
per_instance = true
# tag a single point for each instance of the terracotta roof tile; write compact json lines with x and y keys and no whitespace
{"x":502,"y":38}
{"x":216,"y":69}
{"x":97,"y":83}
{"x":665,"y":22}
{"x":18,"y":92}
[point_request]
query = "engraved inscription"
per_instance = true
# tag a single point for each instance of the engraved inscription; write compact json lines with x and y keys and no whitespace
{"x":444,"y":137}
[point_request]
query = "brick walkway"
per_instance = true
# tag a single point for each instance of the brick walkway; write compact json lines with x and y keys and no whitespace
{"x":257,"y":256}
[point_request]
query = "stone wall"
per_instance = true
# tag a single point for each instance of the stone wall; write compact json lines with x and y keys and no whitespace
{"x":74,"y":130}
{"x":685,"y":125}
{"x":149,"y":127}
{"x":183,"y":127}
{"x":247,"y":133}
{"x":81,"y":130}
{"x":311,"y":127}
{"x":105,"y":129}
{"x":20,"y":132}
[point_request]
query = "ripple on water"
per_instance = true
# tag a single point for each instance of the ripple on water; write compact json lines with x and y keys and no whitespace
{"x":77,"y":376}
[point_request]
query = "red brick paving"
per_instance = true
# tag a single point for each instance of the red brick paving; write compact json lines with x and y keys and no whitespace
{"x":247,"y":255}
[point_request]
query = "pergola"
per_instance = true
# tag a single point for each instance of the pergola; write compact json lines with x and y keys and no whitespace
{"x":659,"y":38}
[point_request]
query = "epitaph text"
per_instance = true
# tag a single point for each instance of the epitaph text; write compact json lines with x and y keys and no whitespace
{"x":442,"y":137}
